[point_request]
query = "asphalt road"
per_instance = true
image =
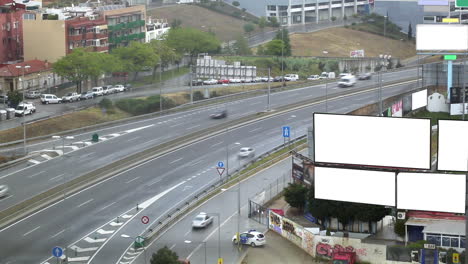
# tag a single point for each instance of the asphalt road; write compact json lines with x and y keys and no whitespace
{"x":27,"y":180}
{"x":187,"y":170}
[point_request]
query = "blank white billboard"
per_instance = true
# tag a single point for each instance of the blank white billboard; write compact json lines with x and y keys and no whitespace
{"x":453,"y":145}
{"x":357,"y":186}
{"x":372,"y":141}
{"x":419,"y":99}
{"x":431,"y":192}
{"x":441,"y":37}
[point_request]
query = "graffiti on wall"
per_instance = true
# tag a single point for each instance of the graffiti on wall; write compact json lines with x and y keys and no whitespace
{"x":275,"y":222}
{"x":308,"y":242}
{"x":292,"y":231}
{"x":327,"y":250}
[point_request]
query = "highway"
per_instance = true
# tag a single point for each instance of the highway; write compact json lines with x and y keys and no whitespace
{"x":184,"y":171}
{"x":27,"y":180}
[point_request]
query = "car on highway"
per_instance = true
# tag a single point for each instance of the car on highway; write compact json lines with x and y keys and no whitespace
{"x":219,"y":114}
{"x":32,"y":94}
{"x":50,"y":99}
{"x":223,"y":81}
{"x":365,"y":76}
{"x":3,"y":190}
{"x":71,"y":97}
{"x":313,"y":77}
{"x":202,"y":220}
{"x":119,"y":88}
{"x":251,"y":237}
{"x":87,"y":95}
{"x":128,"y":86}
{"x":210,"y":81}
{"x":246,"y":152}
{"x":25,"y":108}
{"x":347,"y":81}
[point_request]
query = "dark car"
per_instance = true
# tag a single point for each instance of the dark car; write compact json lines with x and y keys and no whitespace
{"x":278,"y":79}
{"x":365,"y":76}
{"x":197,"y":82}
{"x":127,"y":86}
{"x":219,"y":115}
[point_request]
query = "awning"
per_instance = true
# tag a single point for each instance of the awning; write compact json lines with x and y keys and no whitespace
{"x":439,"y":226}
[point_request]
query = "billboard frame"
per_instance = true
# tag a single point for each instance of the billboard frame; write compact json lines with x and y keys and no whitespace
{"x":438,"y":146}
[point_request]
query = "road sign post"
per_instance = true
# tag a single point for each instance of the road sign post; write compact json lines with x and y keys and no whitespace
{"x":57,"y":252}
{"x":286,"y":134}
{"x":220,"y":164}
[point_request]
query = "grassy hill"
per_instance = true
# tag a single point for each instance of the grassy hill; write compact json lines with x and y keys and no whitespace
{"x":225,"y":27}
{"x":340,"y":41}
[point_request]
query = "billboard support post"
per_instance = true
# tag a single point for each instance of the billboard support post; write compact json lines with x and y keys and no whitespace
{"x":449,"y":77}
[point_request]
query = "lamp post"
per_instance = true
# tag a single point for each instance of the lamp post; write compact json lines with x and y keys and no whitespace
{"x":135,"y":238}
{"x":385,"y":26}
{"x":24,"y":112}
{"x":269,"y":91}
{"x":204,"y":244}
{"x":48,"y":84}
{"x":384,"y":60}
{"x":219,"y":232}
{"x":160,"y":89}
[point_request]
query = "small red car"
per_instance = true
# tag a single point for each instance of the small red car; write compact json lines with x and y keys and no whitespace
{"x":221,"y":81}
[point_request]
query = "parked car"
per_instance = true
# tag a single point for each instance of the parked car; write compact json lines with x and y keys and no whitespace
{"x":323,"y":75}
{"x":87,"y":95}
{"x":246,"y":152}
{"x":25,"y":108}
{"x":197,"y":82}
{"x":259,"y":79}
{"x":210,"y":81}
{"x":98,"y":91}
{"x":278,"y":79}
{"x":235,"y":80}
{"x":223,"y":81}
{"x":266,"y":78}
{"x":291,"y":77}
{"x":128,"y":86}
{"x":71,"y":97}
{"x":119,"y":88}
{"x":3,"y":190}
{"x":219,"y":115}
{"x":313,"y":78}
{"x":248,"y":80}
{"x":347,"y":81}
{"x":107,"y":89}
{"x":251,"y":237}
{"x":365,"y":76}
{"x":202,"y":220}
{"x":50,"y":99}
{"x":32,"y":94}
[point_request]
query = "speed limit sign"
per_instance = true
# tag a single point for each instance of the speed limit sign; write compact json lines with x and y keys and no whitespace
{"x":145,"y":220}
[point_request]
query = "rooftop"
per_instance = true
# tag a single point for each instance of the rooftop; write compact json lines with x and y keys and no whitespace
{"x":10,"y":70}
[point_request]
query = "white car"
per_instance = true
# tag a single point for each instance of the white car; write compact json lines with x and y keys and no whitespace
{"x":246,"y":152}
{"x":50,"y":99}
{"x":235,"y":80}
{"x":313,"y":78}
{"x":210,"y":81}
{"x":98,"y":91}
{"x":71,"y":97}
{"x":119,"y":88}
{"x":202,"y":220}
{"x":291,"y":77}
{"x":3,"y":190}
{"x":25,"y":108}
{"x":251,"y":237}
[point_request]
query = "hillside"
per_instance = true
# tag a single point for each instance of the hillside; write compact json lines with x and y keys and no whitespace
{"x":340,"y":41}
{"x":225,"y":27}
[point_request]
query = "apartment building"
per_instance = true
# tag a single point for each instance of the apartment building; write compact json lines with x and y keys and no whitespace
{"x":156,"y":29}
{"x":11,"y":31}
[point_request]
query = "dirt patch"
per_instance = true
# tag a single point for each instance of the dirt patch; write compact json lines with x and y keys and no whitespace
{"x":340,"y":41}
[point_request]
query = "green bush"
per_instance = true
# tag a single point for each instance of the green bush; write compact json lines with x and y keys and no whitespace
{"x":399,"y":228}
{"x":197,"y":95}
{"x":106,"y":103}
{"x":143,"y":106}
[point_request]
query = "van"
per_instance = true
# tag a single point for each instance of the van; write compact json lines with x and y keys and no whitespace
{"x":50,"y":99}
{"x":347,"y":81}
{"x":98,"y":91}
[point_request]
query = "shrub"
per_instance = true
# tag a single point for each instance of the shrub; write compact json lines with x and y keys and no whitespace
{"x":106,"y":103}
{"x":144,"y":106}
{"x":197,"y":95}
{"x":399,"y":228}
{"x":333,"y":18}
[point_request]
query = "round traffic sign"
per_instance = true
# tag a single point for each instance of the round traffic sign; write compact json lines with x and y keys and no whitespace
{"x":145,"y":220}
{"x":57,"y":252}
{"x":139,"y":239}
{"x":220,"y":164}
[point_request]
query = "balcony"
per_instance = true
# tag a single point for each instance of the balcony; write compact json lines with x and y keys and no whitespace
{"x":127,"y":25}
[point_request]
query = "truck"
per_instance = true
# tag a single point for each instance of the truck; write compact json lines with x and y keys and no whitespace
{"x":347,"y":81}
{"x":343,"y":258}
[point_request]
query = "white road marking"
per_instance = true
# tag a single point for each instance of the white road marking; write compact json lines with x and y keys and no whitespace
{"x":35,"y":174}
{"x":114,"y":135}
{"x":256,"y":103}
{"x":27,"y":233}
{"x":157,"y":197}
{"x":107,"y":206}
{"x":105,"y":232}
{"x":92,"y":240}
{"x":45,"y":156}
{"x":72,"y":147}
{"x":116,"y":224}
{"x":79,"y":250}
{"x":174,"y":161}
{"x":78,"y":259}
{"x":58,"y":176}
{"x":173,"y":246}
{"x":139,"y":128}
{"x":256,"y":129}
{"x":34,"y":161}
{"x":126,"y":216}
{"x":176,"y":125}
{"x":128,"y":258}
{"x":273,"y":132}
{"x":217,"y":144}
{"x":103,"y":139}
{"x":199,"y":161}
{"x":154,"y":182}
{"x":190,"y":128}
{"x":58,"y":233}
{"x":132,"y":179}
{"x":90,"y":200}
{"x":188,"y":232}
{"x":153,"y":140}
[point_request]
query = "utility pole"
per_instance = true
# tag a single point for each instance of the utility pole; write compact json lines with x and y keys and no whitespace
{"x":191,"y":88}
{"x":24,"y":111}
{"x":269,"y":90}
{"x":160,"y":89}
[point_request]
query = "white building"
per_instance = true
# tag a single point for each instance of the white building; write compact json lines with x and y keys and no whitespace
{"x":156,"y":28}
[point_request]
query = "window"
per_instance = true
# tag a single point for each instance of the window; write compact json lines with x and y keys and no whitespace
{"x":29,"y":16}
{"x":446,"y":241}
{"x":454,"y":242}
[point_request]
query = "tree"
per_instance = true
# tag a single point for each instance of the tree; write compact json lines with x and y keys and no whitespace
{"x":176,"y":23}
{"x":399,"y":227}
{"x":192,"y":41}
{"x":410,"y":32}
{"x":249,"y":27}
{"x":283,"y":34}
{"x":295,"y":195}
{"x":164,"y":256}
{"x":236,"y":3}
{"x":274,"y":22}
{"x":262,"y":22}
{"x":14,"y":98}
{"x":241,"y":47}
{"x":75,"y":67}
{"x":274,"y":47}
{"x":166,"y":54}
{"x":333,"y":18}
{"x":136,"y":57}
{"x":260,"y":50}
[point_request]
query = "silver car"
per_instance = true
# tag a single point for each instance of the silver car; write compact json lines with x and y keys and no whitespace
{"x":246,"y":152}
{"x":202,"y":220}
{"x":3,"y":190}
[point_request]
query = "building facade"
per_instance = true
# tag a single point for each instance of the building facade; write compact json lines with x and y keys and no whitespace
{"x":313,"y":11}
{"x":156,"y":29}
{"x":11,"y":31}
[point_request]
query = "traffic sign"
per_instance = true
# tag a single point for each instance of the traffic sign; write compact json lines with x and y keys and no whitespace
{"x":220,"y":170}
{"x":57,"y":252}
{"x":286,"y":131}
{"x":145,"y":220}
{"x":139,"y":239}
{"x":220,"y":261}
{"x":461,"y":3}
{"x":456,"y":258}
{"x":450,"y":57}
{"x":220,"y":164}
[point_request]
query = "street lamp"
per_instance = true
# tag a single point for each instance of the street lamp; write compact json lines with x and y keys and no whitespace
{"x":384,"y":61}
{"x":24,"y":112}
{"x":135,"y":239}
{"x":204,"y":244}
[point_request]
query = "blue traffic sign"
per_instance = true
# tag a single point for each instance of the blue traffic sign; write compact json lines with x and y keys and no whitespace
{"x":57,"y":252}
{"x":286,"y":131}
{"x":220,"y":164}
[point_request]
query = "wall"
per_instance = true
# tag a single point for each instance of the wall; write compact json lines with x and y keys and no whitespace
{"x":44,"y":39}
{"x":11,"y":38}
{"x":130,"y":9}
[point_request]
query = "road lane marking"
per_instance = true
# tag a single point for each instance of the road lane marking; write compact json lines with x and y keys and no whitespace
{"x":58,"y":233}
{"x":80,"y":250}
{"x":188,"y":232}
{"x":90,"y":200}
{"x":47,"y":157}
{"x":139,"y":128}
{"x":217,"y":144}
{"x":174,"y":161}
{"x":34,"y":175}
{"x":195,"y":163}
{"x":34,"y":161}
{"x":58,"y":176}
{"x":105,"y":232}
{"x":132,"y":179}
{"x":27,"y":233}
{"x":273,"y":132}
{"x":107,"y":206}
{"x":92,"y":240}
{"x":256,"y":103}
{"x":173,"y":246}
{"x":176,"y":125}
{"x":154,"y":182}
{"x":132,"y":139}
{"x":190,"y":128}
{"x":256,"y":129}
{"x":153,"y":140}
